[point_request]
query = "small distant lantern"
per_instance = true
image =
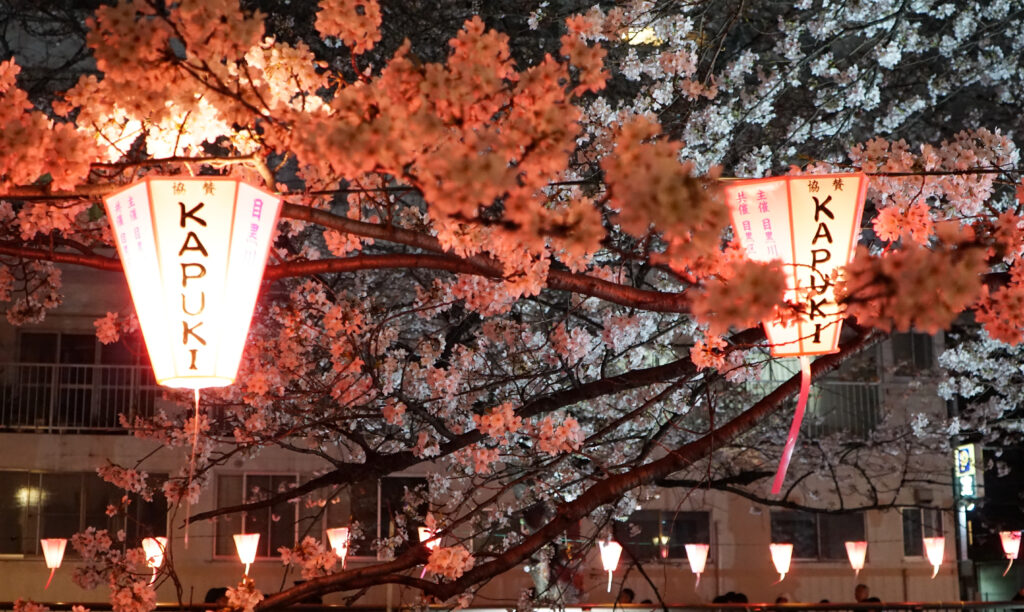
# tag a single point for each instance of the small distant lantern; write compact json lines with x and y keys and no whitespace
{"x":428,"y":537}
{"x":610,"y":553}
{"x":246,"y":544}
{"x":53,"y":554}
{"x":661,"y":541}
{"x":934,"y":549}
{"x":857,"y":551}
{"x":338,"y":537}
{"x":697,"y":555}
{"x":193,"y":250}
{"x":154,"y":549}
{"x":1011,"y":546}
{"x":781,"y":556}
{"x":810,"y":223}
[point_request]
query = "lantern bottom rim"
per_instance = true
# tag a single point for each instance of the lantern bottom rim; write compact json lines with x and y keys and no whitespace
{"x":195,"y":382}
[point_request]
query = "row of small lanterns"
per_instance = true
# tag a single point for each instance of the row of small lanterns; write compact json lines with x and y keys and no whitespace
{"x":247,"y":545}
{"x":782,"y":554}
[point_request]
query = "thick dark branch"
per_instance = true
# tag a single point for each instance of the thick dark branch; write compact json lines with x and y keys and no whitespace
{"x":92,"y":261}
{"x":387,"y":464}
{"x":607,"y":490}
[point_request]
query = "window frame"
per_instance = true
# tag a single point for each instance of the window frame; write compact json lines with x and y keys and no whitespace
{"x":218,"y":525}
{"x":937,"y":528}
{"x":819,"y":542}
{"x":673,"y":519}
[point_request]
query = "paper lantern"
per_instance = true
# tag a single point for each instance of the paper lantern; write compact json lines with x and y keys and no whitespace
{"x":154,"y":549}
{"x":338,"y":537}
{"x":610,"y":553}
{"x":781,"y":556}
{"x":697,"y":555}
{"x":934,"y":548}
{"x":1011,"y":546}
{"x":857,"y":551}
{"x":193,"y":250}
{"x":53,"y":554}
{"x":246,"y":544}
{"x":427,"y":535}
{"x":809,"y":223}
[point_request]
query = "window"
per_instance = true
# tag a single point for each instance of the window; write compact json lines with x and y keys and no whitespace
{"x":276,"y":524}
{"x":57,"y":505}
{"x":377,"y":505}
{"x":919,"y":523}
{"x":380,"y":509}
{"x":654,"y":534}
{"x":817,"y":536}
{"x":912,"y":353}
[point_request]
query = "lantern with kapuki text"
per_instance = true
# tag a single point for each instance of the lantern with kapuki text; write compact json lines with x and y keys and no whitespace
{"x":810,"y":224}
{"x":193,"y":250}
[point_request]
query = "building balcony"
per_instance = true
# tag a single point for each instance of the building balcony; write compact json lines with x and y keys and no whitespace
{"x":66,"y":398}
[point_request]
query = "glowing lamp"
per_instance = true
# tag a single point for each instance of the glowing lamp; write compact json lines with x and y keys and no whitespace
{"x":428,"y":537}
{"x":610,"y":553}
{"x":193,"y":250}
{"x":338,"y":537}
{"x":781,"y":556}
{"x":1011,"y":546}
{"x":857,"y":551}
{"x":246,"y":545}
{"x":810,"y":224}
{"x":154,"y":549}
{"x":934,"y":548}
{"x":697,"y":555}
{"x":53,"y":553}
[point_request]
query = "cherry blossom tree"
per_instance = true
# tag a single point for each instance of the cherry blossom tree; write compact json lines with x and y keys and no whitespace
{"x":505,"y":254}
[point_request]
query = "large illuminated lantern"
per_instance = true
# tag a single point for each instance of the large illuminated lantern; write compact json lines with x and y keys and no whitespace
{"x":193,"y":251}
{"x":810,"y":223}
{"x":610,"y":553}
{"x":1011,"y":546}
{"x":53,"y":554}
{"x":697,"y":555}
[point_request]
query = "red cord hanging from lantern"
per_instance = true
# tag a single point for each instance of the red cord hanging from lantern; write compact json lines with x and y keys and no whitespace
{"x":810,"y":223}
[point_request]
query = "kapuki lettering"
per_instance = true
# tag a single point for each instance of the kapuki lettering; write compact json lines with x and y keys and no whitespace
{"x":193,"y":298}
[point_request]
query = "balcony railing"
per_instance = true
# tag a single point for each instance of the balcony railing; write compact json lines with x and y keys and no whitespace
{"x":834,"y":406}
{"x":59,"y":398}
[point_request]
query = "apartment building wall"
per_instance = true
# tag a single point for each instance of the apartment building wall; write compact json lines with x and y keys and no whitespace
{"x":738,"y":530}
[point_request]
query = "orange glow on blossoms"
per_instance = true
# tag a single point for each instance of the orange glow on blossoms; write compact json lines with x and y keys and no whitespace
{"x":934,"y":548}
{"x":857,"y":551}
{"x":781,"y":556}
{"x":697,"y":555}
{"x":193,"y":250}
